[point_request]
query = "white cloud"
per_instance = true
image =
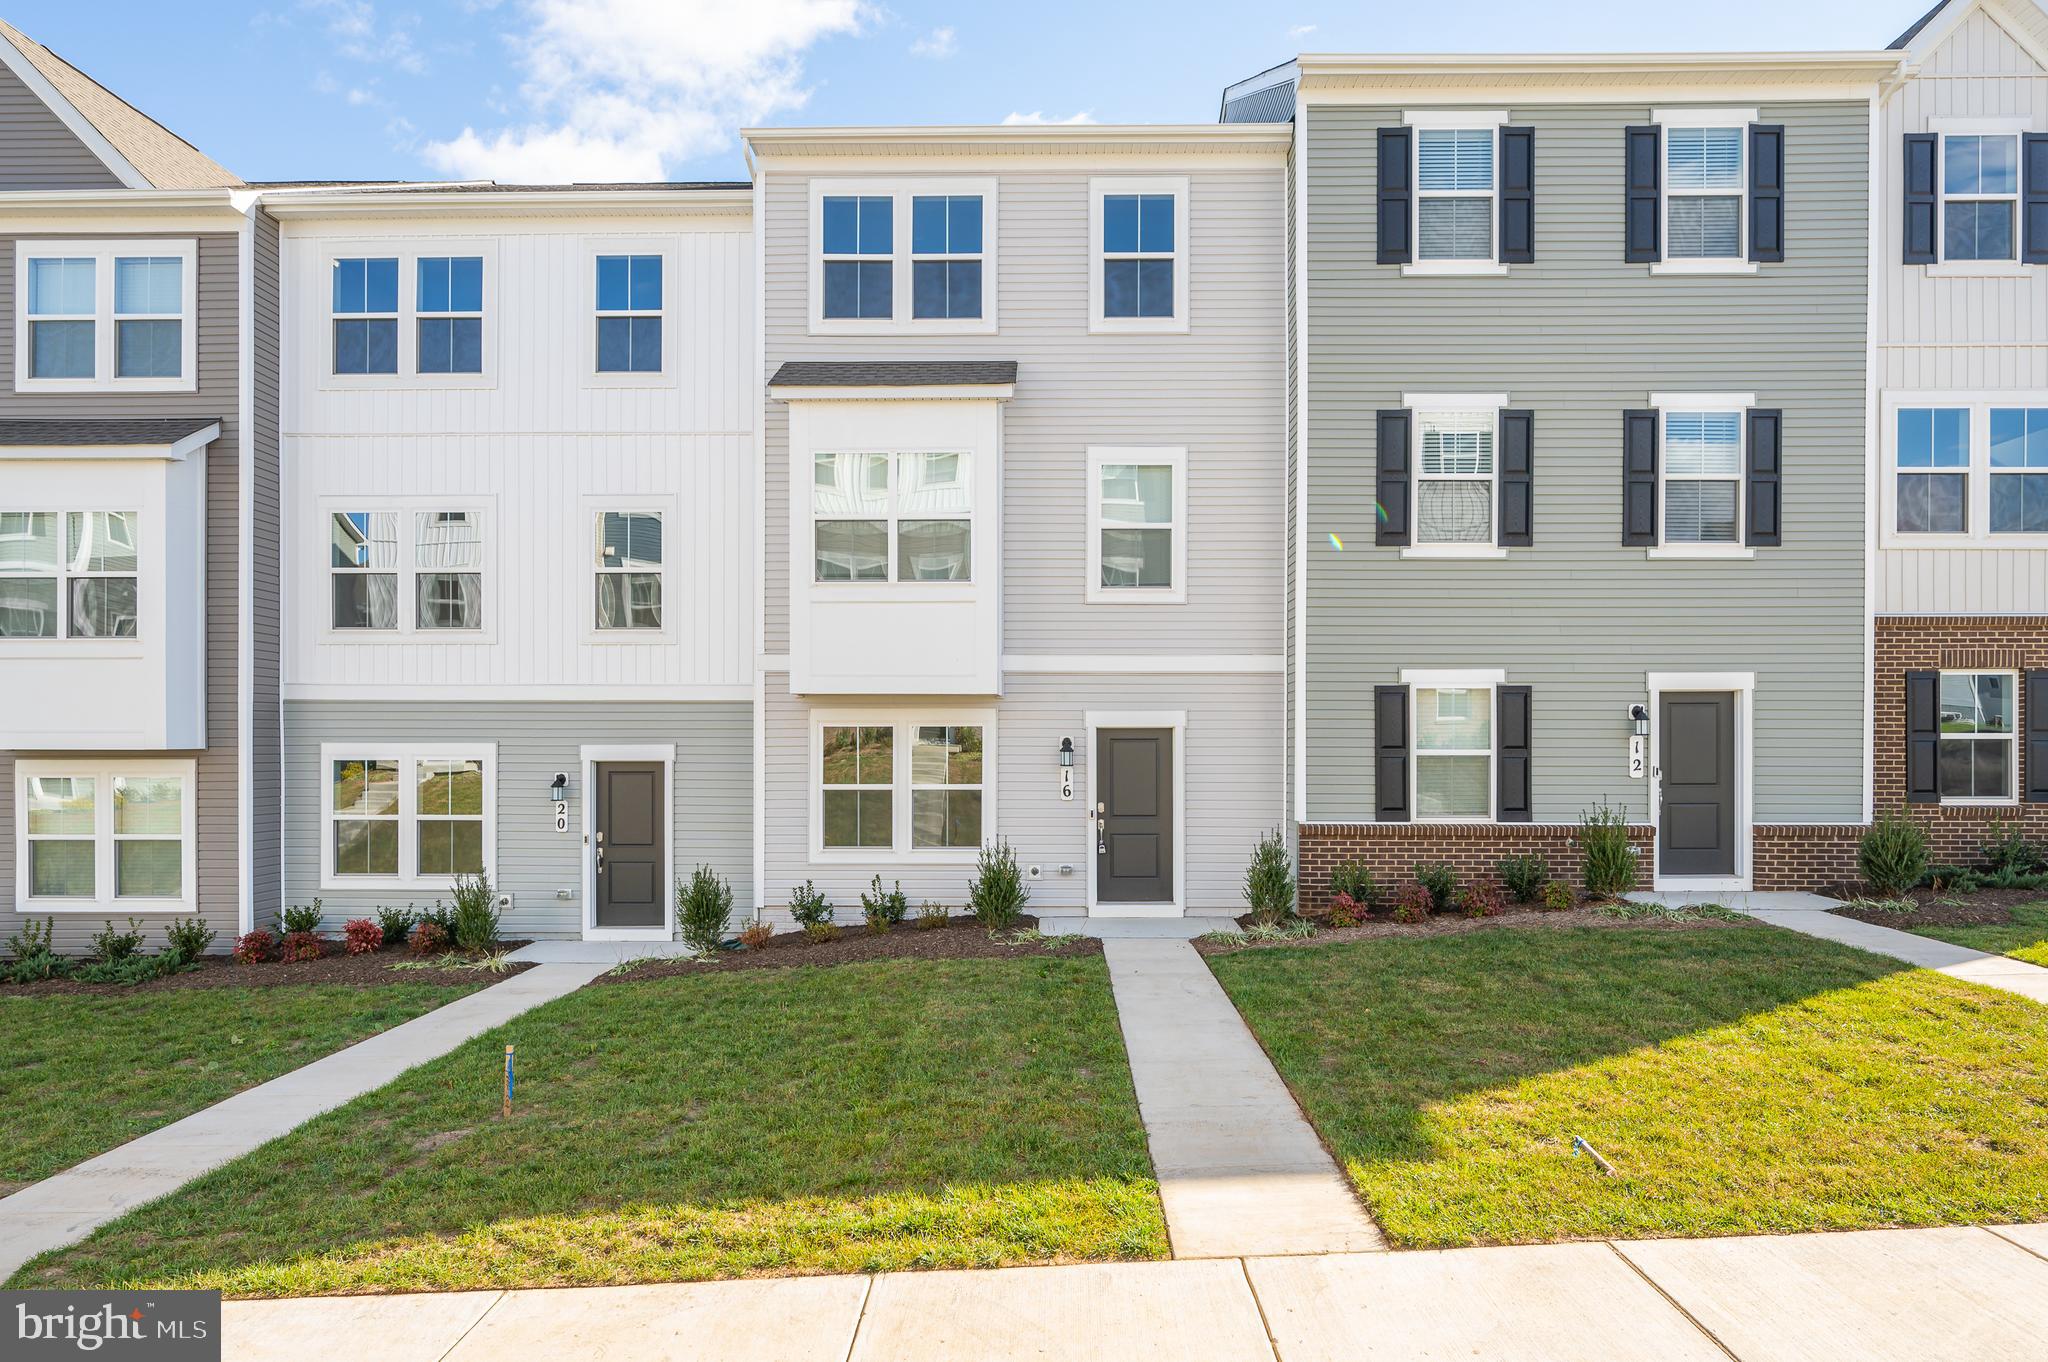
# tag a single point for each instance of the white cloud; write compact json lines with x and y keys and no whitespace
{"x":1035,"y":118}
{"x":938,"y":44}
{"x":359,"y":35}
{"x":622,"y":89}
{"x":1300,"y":31}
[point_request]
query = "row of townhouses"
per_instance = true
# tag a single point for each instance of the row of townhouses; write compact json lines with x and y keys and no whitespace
{"x":1430,"y":450}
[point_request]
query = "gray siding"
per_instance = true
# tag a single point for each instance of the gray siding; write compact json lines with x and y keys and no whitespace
{"x":37,"y":151}
{"x":714,"y":786}
{"x":217,"y":397}
{"x":1579,"y":337}
{"x":266,"y":720}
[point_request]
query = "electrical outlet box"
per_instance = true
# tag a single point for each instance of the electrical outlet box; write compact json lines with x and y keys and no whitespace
{"x":565,"y":894}
{"x":1066,"y":870}
{"x":504,"y":902}
{"x":1034,"y":872}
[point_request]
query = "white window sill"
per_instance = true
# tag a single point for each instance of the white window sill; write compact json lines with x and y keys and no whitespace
{"x":1466,"y":268}
{"x":139,"y":907}
{"x":1700,"y":551}
{"x":1478,"y":820}
{"x":107,"y":385}
{"x":1978,"y":269}
{"x":1704,"y":267}
{"x":1464,"y":551}
{"x":1987,"y":541}
{"x":1979,"y":803}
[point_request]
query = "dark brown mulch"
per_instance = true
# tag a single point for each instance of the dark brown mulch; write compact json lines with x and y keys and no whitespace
{"x":962,"y":938}
{"x":336,"y":967}
{"x":1985,"y":908}
{"x":1519,"y":917}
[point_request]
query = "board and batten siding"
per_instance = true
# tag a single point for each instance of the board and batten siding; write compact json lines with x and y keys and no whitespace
{"x":1579,"y":337}
{"x":1978,"y":334}
{"x":217,"y":397}
{"x":36,"y":150}
{"x":713,"y":814}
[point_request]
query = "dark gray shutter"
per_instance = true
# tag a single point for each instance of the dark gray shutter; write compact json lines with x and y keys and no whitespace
{"x":2036,"y":719}
{"x":1639,"y":478}
{"x":1516,"y":805}
{"x":1922,"y":156}
{"x":1396,"y":194}
{"x":1766,"y":191}
{"x":1644,"y":172}
{"x":1766,"y":462}
{"x":2034,"y":199}
{"x":1517,"y":196}
{"x":1393,"y":478}
{"x":1923,"y":737}
{"x":1517,"y":478}
{"x":1390,"y":750}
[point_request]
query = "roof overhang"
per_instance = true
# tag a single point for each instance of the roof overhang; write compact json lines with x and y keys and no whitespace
{"x":1591,"y":77}
{"x":942,"y":392}
{"x":174,"y":441}
{"x":412,"y":203}
{"x":1059,"y":139}
{"x":38,"y":209}
{"x":961,"y":380}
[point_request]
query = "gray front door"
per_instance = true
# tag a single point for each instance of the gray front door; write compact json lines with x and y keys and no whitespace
{"x":631,"y":885}
{"x":1134,"y":815}
{"x":1696,"y":834}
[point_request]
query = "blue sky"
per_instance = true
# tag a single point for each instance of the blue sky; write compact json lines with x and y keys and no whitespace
{"x":540,"y":90}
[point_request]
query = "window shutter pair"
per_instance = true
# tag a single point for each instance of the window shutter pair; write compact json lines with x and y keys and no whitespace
{"x":1514,"y":477}
{"x":1923,"y":737}
{"x":1515,"y":191}
{"x":1643,"y":175}
{"x":1512,"y":724}
{"x":1920,"y":168}
{"x":1762,"y":478}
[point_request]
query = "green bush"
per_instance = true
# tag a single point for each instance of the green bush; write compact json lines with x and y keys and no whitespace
{"x":473,"y":925}
{"x":932,"y":916}
{"x":812,"y":911}
{"x":130,"y":970}
{"x":112,"y":947}
{"x":703,"y":910}
{"x":997,"y":894}
{"x":1607,"y":861}
{"x":300,"y":917}
{"x":2010,"y":851}
{"x":35,"y":954}
{"x":397,"y":924}
{"x":189,"y":937}
{"x":1269,"y":881}
{"x":1352,"y":877}
{"x":1524,"y":876}
{"x":884,"y":908}
{"x":1892,"y":855}
{"x":1441,"y":882}
{"x":1558,"y":897}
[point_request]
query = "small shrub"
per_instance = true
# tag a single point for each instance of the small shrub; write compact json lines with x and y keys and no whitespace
{"x":1353,"y":879}
{"x":1296,"y":929}
{"x":756,"y":934}
{"x":704,"y":910}
{"x":299,"y":946}
{"x":1558,"y":897}
{"x":473,"y":925}
{"x":1412,"y":904}
{"x":2009,"y":850}
{"x":818,"y":932}
{"x":35,"y":954}
{"x":1344,"y":911}
{"x":1892,"y":855}
{"x":361,"y":936}
{"x":253,"y":948}
{"x":883,"y":908}
{"x":441,"y":915}
{"x":110,"y":945}
{"x":1607,"y":861}
{"x":396,"y":924}
{"x":1900,"y":905}
{"x":932,"y":916}
{"x":812,"y":911}
{"x":300,"y":917}
{"x":427,"y":938}
{"x":189,"y":937}
{"x":1269,"y":881}
{"x":129,"y":970}
{"x":1441,"y":882}
{"x":997,"y":894}
{"x":1482,"y":900}
{"x":1524,"y":876}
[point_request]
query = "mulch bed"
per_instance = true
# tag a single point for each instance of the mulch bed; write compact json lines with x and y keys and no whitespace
{"x":1985,"y":908}
{"x":336,"y":967}
{"x":1518,"y":917}
{"x":962,"y":938}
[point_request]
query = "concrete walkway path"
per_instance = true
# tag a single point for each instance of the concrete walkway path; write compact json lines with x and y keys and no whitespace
{"x":1241,"y":1173}
{"x":66,"y":1208}
{"x":1808,"y":914}
{"x":1944,"y":1295}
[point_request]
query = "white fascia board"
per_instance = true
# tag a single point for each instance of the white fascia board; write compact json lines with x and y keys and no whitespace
{"x":178,"y":450}
{"x":519,"y":203}
{"x":1276,"y":137}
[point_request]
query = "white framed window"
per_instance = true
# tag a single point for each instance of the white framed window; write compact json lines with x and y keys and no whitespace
{"x":366,"y":314}
{"x":895,"y":256}
{"x":106,"y":316}
{"x":628,"y":565}
{"x":406,"y":569}
{"x":1453,"y":767}
{"x":904,"y":784}
{"x":411,"y":314}
{"x":104,"y":836}
{"x":1137,"y":525}
{"x":1966,"y":469}
{"x":1977,"y":181}
{"x":448,"y":298}
{"x":1456,"y":183}
{"x":1706,"y":190}
{"x":905,"y":516}
{"x":69,"y":574}
{"x":1703,"y":444}
{"x":407,"y":815}
{"x":1455,"y":461}
{"x":1138,"y":241}
{"x":1978,"y":751}
{"x":629,"y":299}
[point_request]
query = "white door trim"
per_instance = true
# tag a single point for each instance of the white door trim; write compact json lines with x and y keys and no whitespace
{"x":1177,"y":720}
{"x":665,"y":753}
{"x":1742,"y":685}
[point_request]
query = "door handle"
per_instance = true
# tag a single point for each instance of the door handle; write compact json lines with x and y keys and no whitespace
{"x":1102,"y":825}
{"x":600,"y":853}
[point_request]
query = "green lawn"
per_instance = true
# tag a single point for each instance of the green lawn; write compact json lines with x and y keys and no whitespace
{"x":80,"y":1074}
{"x":909,"y":1113}
{"x":1740,"y":1079}
{"x":2024,"y":938}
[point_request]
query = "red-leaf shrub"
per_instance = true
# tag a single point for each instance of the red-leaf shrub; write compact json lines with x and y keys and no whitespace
{"x":1344,"y":911}
{"x":253,"y":948}
{"x":363,"y":936}
{"x":1412,"y":904}
{"x":1558,"y":897}
{"x":427,"y":938}
{"x":755,"y":935}
{"x":302,"y":946}
{"x":1482,"y":900}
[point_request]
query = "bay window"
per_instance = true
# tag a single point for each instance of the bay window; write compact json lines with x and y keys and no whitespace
{"x":69,"y":574}
{"x":904,"y":517}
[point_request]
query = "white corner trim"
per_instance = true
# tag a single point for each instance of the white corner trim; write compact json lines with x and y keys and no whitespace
{"x":245,"y":584}
{"x":1702,"y":401}
{"x":1454,"y":401}
{"x":68,"y":113}
{"x":1454,"y":678}
{"x":1299,"y":714}
{"x":1704,"y":117}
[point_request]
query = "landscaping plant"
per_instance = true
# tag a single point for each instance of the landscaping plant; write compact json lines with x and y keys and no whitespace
{"x":703,"y":910}
{"x":1351,"y":878}
{"x":396,"y":924}
{"x":1558,"y":897}
{"x":253,"y":948}
{"x":812,"y":911}
{"x":1441,"y":882}
{"x":756,"y":935}
{"x":1345,"y":910}
{"x":1269,"y":881}
{"x":35,"y":954}
{"x":1892,"y":855}
{"x":298,"y":946}
{"x":1482,"y":900}
{"x":1608,"y":862}
{"x":2010,"y":851}
{"x":427,"y":938}
{"x":473,"y":925}
{"x":1953,"y":879}
{"x":189,"y":937}
{"x":1524,"y":876}
{"x":997,"y":894}
{"x":109,"y":945}
{"x":883,"y":908}
{"x":1412,"y":904}
{"x":300,"y":917}
{"x":130,"y":970}
{"x":361,"y":936}
{"x":931,"y":916}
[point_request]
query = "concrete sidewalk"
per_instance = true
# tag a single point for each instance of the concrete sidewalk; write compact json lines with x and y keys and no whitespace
{"x":1943,"y":1295}
{"x":66,"y":1208}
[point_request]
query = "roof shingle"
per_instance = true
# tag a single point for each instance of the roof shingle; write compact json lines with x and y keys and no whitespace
{"x":922,"y":373}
